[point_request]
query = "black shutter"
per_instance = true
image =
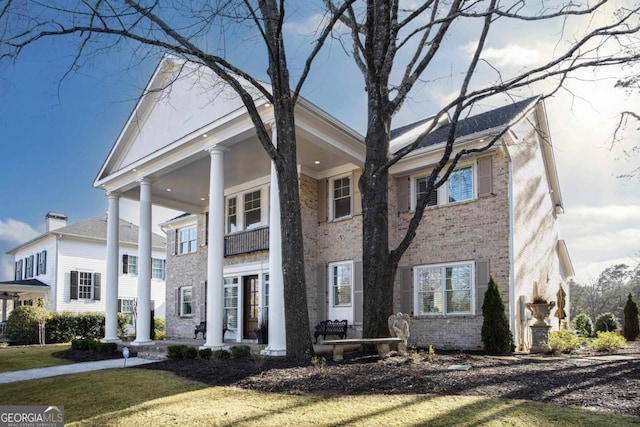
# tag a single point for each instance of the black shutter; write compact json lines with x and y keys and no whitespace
{"x":74,"y":285}
{"x":96,"y":286}
{"x":482,"y":282}
{"x":358,"y":294}
{"x":38,"y":263}
{"x":44,"y":262}
{"x":125,"y":264}
{"x":119,"y":305}
{"x":406,"y":296}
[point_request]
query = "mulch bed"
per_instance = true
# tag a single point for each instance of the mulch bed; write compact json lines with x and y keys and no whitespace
{"x":596,"y":383}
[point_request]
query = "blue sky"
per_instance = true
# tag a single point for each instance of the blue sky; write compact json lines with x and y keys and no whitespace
{"x":55,"y":135}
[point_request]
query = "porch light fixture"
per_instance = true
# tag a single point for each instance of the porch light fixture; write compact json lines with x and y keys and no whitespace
{"x":317,"y":162}
{"x":168,"y":189}
{"x":205,"y":135}
{"x":202,"y":198}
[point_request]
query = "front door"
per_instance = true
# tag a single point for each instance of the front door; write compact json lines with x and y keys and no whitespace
{"x":250,"y":308}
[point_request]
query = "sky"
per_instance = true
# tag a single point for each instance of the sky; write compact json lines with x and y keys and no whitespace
{"x":58,"y":125}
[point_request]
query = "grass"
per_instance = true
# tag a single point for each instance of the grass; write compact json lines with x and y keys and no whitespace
{"x":126,"y":397}
{"x":19,"y":358}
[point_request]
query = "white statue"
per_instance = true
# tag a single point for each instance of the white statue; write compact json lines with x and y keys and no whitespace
{"x":399,"y":327}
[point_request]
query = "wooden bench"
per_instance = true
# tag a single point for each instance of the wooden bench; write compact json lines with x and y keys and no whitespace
{"x":331,"y":327}
{"x":200,"y":329}
{"x":381,"y":343}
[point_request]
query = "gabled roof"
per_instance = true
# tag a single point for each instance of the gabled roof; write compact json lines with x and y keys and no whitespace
{"x":490,"y":120}
{"x":96,"y":229}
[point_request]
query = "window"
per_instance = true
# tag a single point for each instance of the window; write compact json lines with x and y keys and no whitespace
{"x":127,"y":307}
{"x":252,"y":211}
{"x":265,"y":297}
{"x":130,"y":265}
{"x":231,"y":303}
{"x":232,"y":215}
{"x":187,"y":240}
{"x":421,"y":188}
{"x":444,"y":289}
{"x":459,"y":187}
{"x":157,"y":268}
{"x":341,"y":283}
{"x":18,"y":271}
{"x":341,"y":197}
{"x":42,"y":263}
{"x":186,"y":301}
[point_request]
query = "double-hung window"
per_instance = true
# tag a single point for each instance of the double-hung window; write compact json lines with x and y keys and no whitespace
{"x":444,"y":289}
{"x":29,"y":269}
{"x":252,"y":210}
{"x":232,"y":214}
{"x":157,"y":268}
{"x":341,"y":197}
{"x":130,"y":265}
{"x":85,"y":285}
{"x":187,"y":240}
{"x":18,"y":272}
{"x":186,"y":301}
{"x":421,"y":188}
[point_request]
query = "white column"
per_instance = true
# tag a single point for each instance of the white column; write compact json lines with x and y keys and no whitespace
{"x":113,"y":255}
{"x":215,"y":253}
{"x":277,"y":336}
{"x":143,"y":309}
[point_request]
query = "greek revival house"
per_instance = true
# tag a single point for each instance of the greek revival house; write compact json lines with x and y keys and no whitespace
{"x":191,"y":146}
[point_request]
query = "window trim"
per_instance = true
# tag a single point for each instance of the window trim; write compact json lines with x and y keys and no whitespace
{"x":163,"y":264}
{"x":332,"y":285}
{"x":443,"y":266}
{"x":183,"y":290}
{"x":240,"y":213}
{"x":332,"y":198}
{"x":126,"y":267}
{"x":442,"y":192}
{"x":229,"y":283}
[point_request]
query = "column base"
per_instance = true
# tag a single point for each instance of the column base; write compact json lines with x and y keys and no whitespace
{"x":273,"y":352}
{"x":116,"y":340}
{"x":138,"y":343}
{"x":214,"y":347}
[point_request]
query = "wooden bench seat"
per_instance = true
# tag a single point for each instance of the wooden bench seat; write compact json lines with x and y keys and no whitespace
{"x":381,"y":343}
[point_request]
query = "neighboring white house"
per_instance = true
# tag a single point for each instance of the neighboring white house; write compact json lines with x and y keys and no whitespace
{"x":64,"y":268}
{"x":193,"y":147}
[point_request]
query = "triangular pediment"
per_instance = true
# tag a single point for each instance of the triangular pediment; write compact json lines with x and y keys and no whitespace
{"x":179,"y":101}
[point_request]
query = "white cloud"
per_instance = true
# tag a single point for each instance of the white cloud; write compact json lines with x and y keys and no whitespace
{"x":513,"y":55}
{"x":12,"y":233}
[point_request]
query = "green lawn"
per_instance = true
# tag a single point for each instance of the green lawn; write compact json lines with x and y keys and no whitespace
{"x":131,"y":397}
{"x":19,"y":358}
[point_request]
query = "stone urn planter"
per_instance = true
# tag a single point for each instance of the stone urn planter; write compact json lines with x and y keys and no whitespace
{"x":540,"y":329}
{"x":541,"y":311}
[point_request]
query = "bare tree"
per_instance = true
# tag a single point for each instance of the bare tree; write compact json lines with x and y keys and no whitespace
{"x":397,"y":47}
{"x":628,"y":118}
{"x":185,"y":29}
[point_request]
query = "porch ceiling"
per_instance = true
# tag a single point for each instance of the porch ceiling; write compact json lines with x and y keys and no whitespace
{"x":185,"y":184}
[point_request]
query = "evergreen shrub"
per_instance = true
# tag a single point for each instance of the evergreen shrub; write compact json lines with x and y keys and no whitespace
{"x":563,"y":342}
{"x":22,"y":324}
{"x":496,"y":336}
{"x":607,"y":341}
{"x":607,"y":322}
{"x":240,"y":351}
{"x":631,"y":328}
{"x":583,"y":325}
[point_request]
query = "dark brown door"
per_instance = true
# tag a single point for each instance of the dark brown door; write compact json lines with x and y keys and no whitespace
{"x":250,"y":309}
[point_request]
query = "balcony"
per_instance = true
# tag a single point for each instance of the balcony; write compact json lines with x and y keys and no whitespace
{"x":245,"y":242}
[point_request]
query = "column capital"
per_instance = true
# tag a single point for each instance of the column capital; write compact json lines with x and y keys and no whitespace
{"x":216,"y":149}
{"x":112,"y":194}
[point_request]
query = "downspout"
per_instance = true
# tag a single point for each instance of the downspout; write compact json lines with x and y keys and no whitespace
{"x":512,"y":281}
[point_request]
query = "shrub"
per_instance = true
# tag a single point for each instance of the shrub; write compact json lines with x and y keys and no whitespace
{"x":107,"y":347}
{"x":190,"y":352}
{"x":22,"y":324}
{"x":631,"y":328}
{"x":607,"y":341}
{"x":205,"y":353}
{"x":606,"y":322}
{"x":496,"y":335}
{"x":221,"y":354}
{"x":176,"y":351}
{"x":240,"y":351}
{"x":583,"y":325}
{"x":82,"y":344}
{"x":563,"y":342}
{"x":90,"y":325}
{"x":158,"y":328}
{"x":61,"y":327}
{"x":124,"y":319}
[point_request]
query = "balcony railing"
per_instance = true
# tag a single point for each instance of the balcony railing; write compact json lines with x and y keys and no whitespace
{"x":246,"y":241}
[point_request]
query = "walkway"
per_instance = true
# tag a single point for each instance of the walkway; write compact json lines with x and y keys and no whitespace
{"x":72,"y":368}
